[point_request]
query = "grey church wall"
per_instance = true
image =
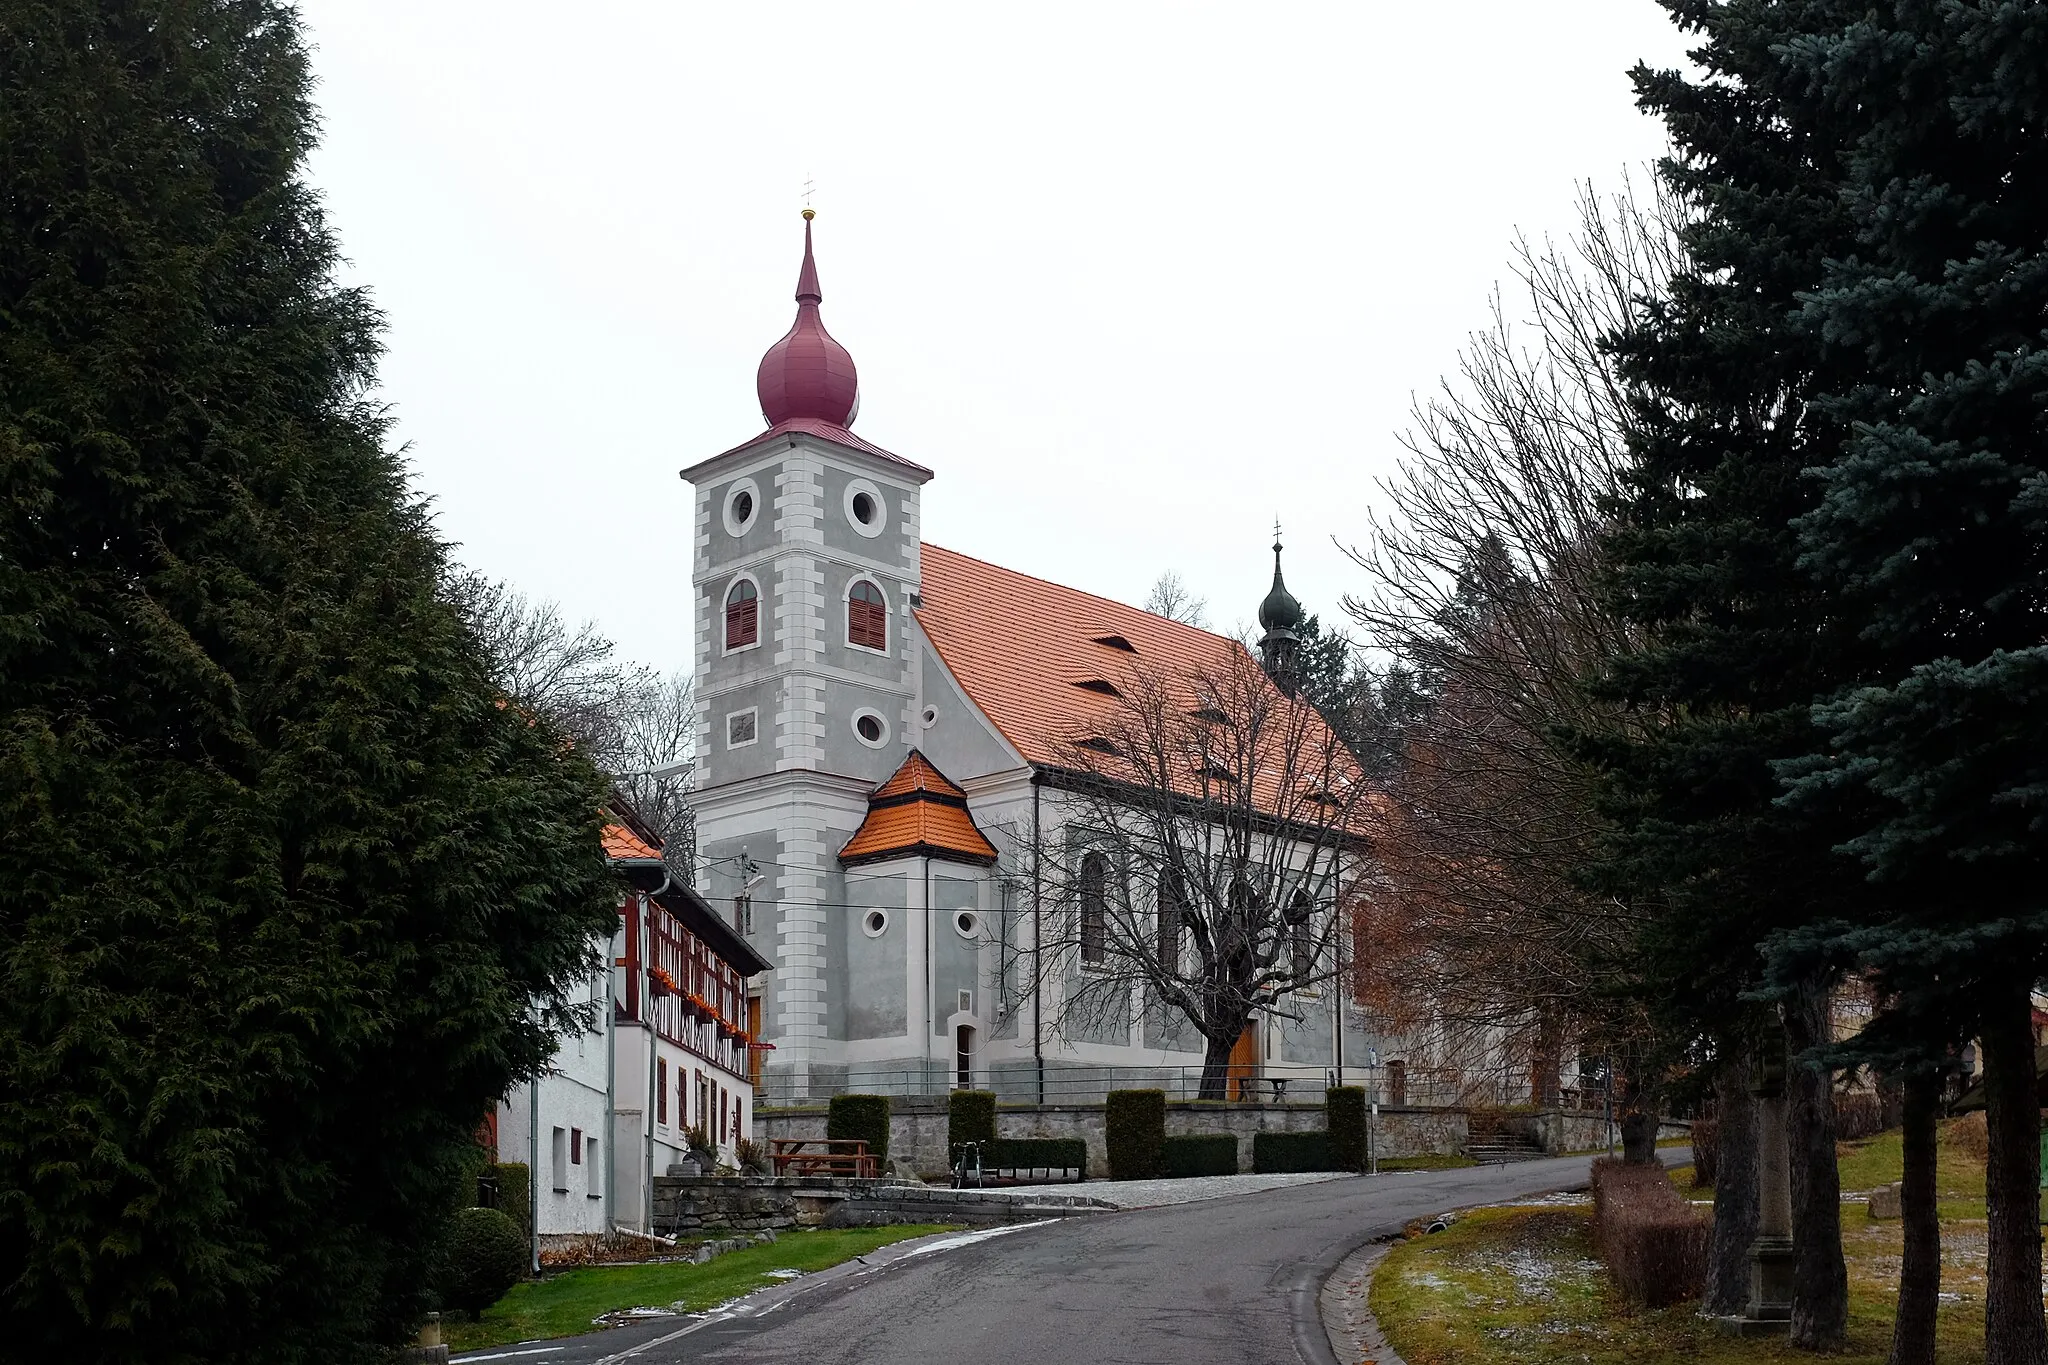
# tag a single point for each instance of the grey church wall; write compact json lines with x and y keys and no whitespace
{"x":956,"y":961}
{"x":719,"y":882}
{"x":844,"y":752}
{"x":759,"y":537}
{"x":889,"y":668}
{"x":961,"y":743}
{"x":874,"y":972}
{"x":1306,"y":1041}
{"x":839,"y":535}
{"x":722,"y":763}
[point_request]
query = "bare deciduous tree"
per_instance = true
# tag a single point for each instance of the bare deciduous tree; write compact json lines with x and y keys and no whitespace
{"x":1485,"y":583}
{"x":1211,"y":830}
{"x":1171,"y":598}
{"x":630,"y":720}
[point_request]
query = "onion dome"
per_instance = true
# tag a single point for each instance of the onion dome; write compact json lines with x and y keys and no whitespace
{"x":1280,"y":611}
{"x":807,"y":374}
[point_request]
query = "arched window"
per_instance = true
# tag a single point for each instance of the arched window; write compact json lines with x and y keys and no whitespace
{"x":867,"y":617}
{"x":1094,"y":907}
{"x":742,"y":615}
{"x":1172,"y":917}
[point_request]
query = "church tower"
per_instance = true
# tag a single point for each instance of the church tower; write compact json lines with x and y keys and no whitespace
{"x":805,"y":570}
{"x":1280,"y":616}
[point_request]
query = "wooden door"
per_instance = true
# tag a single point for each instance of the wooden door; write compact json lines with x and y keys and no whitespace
{"x":1244,"y":1063}
{"x":754,"y":1036}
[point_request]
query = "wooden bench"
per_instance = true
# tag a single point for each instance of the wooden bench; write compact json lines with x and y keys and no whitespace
{"x":823,"y":1157}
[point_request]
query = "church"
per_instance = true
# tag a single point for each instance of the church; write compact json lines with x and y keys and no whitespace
{"x":882,"y":730}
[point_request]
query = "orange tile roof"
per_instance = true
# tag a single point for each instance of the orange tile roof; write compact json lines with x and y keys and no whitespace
{"x":1043,"y":661}
{"x":918,"y":811}
{"x":1029,"y":652}
{"x":621,"y":843}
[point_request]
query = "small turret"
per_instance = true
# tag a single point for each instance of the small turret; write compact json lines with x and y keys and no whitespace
{"x":1280,"y":616}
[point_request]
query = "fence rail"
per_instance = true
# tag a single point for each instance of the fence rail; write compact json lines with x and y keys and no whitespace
{"x":1067,"y":1084}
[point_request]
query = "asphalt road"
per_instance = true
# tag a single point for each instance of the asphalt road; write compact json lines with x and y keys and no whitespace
{"x":1220,"y":1282}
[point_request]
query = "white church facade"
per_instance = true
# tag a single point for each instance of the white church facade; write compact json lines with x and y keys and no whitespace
{"x":879,"y":730}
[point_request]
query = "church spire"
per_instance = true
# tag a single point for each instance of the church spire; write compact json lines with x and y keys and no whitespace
{"x":807,"y":375}
{"x":1280,"y":616}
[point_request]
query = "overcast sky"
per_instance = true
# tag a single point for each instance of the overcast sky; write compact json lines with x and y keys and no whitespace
{"x":1133,"y":279}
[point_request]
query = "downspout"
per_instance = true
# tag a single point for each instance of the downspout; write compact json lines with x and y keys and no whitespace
{"x":1037,"y":960}
{"x":931,"y":1019}
{"x":611,"y":1095}
{"x":1340,"y":999}
{"x":533,"y":1171}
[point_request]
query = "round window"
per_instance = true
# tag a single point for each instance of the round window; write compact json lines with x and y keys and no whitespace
{"x":965,"y":923}
{"x":742,"y":501}
{"x":869,"y":728}
{"x":873,"y":923}
{"x":866,"y":512}
{"x":930,"y":716}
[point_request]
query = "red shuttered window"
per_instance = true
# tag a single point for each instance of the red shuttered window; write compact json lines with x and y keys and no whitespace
{"x":742,"y":615}
{"x":867,"y":617}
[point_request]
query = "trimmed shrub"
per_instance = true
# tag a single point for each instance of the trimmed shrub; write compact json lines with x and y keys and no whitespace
{"x":1344,"y":1121}
{"x":1037,"y":1154}
{"x":1134,"y":1131}
{"x":486,"y":1255}
{"x":1652,"y":1240}
{"x":1279,"y":1153}
{"x":863,"y":1118}
{"x":1706,"y":1152}
{"x":506,"y":1187}
{"x":1199,"y":1154}
{"x":970,"y":1117}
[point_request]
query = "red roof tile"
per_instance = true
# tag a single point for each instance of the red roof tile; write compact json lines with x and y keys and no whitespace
{"x":621,"y":843}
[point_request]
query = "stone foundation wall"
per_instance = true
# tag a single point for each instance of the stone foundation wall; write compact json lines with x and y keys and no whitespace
{"x":685,"y":1205}
{"x":1577,"y":1130}
{"x":917,"y":1128}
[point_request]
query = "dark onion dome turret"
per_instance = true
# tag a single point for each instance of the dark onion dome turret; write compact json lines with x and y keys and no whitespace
{"x":807,"y":374}
{"x":1280,"y":611}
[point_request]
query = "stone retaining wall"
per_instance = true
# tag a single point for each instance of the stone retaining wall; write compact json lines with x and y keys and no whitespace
{"x":691,"y":1205}
{"x":917,"y":1127}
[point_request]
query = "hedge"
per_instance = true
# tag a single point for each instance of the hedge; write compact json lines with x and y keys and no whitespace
{"x":1651,"y":1237}
{"x":504,"y":1186}
{"x":1200,"y":1154}
{"x":970,"y":1117}
{"x":1277,"y":1153}
{"x":1037,"y":1154}
{"x":864,"y":1118}
{"x":1344,"y":1121}
{"x":1135,"y":1130}
{"x":486,"y":1255}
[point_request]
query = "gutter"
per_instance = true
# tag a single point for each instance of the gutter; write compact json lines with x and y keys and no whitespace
{"x":1037,"y":931}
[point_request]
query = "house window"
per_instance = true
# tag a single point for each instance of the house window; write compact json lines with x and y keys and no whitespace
{"x":575,"y":1146}
{"x":1094,"y":907}
{"x":661,"y":1092}
{"x":742,"y":615}
{"x":1172,"y":917}
{"x":1397,"y":1084}
{"x":867,"y":617}
{"x":593,"y":1184}
{"x":559,"y":1150}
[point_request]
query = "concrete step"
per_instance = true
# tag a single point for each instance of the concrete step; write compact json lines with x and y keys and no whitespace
{"x":1504,"y":1150}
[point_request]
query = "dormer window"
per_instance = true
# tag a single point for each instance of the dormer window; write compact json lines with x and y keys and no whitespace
{"x":742,"y":615}
{"x":867,"y":617}
{"x":1116,"y":642}
{"x":1103,"y":686}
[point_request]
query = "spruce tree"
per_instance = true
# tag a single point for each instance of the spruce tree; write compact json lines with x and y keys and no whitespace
{"x":281,"y":874}
{"x":1933,"y":530}
{"x":1733,"y":642}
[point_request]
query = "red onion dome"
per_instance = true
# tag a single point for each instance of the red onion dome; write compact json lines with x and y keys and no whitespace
{"x":807,"y":373}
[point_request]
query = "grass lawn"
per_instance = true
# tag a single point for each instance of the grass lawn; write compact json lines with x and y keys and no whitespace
{"x":1436,"y":1161}
{"x":1521,"y":1284}
{"x":564,"y":1305}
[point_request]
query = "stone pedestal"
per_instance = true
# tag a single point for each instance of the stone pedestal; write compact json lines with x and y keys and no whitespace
{"x":1769,"y":1310}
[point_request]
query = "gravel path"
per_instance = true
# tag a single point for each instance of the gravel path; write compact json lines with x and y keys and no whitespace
{"x":1149,"y":1194}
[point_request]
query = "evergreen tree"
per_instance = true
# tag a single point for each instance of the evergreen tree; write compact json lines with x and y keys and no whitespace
{"x":280,"y":872}
{"x":1933,"y":529}
{"x":1734,"y":644}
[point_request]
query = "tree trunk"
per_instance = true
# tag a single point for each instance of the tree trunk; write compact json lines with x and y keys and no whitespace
{"x":1920,"y":1271}
{"x":1216,"y":1069}
{"x":1820,"y":1279}
{"x":2014,"y":1333}
{"x":1636,"y":1116}
{"x":1735,"y":1188}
